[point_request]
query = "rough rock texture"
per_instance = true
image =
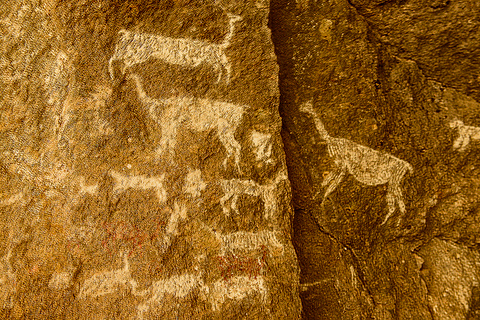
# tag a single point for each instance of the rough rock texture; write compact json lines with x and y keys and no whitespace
{"x":380,"y":106}
{"x":142,"y":170}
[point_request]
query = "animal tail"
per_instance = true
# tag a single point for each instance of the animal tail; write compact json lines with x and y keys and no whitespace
{"x":307,"y":107}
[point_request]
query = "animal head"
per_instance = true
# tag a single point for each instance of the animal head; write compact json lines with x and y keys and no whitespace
{"x":456,"y":123}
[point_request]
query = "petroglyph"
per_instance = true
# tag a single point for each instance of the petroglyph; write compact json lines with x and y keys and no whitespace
{"x":465,"y":134}
{"x":108,"y":282}
{"x":8,"y":280}
{"x":57,"y":80}
{"x":262,"y":144}
{"x":245,"y":241}
{"x":194,"y":185}
{"x":368,"y":166}
{"x":178,"y":286}
{"x":87,"y":189}
{"x":235,"y":288}
{"x":234,"y":188}
{"x":179,"y":213}
{"x":196,"y":113}
{"x":123,"y":182}
{"x":18,"y":197}
{"x":133,"y":48}
{"x":60,"y":280}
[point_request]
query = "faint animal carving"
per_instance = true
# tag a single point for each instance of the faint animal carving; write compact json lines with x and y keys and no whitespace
{"x":368,"y":166}
{"x":179,"y":213}
{"x":465,"y":134}
{"x":134,"y":48}
{"x":123,"y":183}
{"x":235,"y":288}
{"x":198,"y":114}
{"x":178,"y":286}
{"x":248,"y":241}
{"x":216,"y":293}
{"x":233,"y":188}
{"x":106,"y":282}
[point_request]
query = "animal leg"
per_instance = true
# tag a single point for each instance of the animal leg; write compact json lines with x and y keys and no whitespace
{"x":334,"y":180}
{"x":399,"y":198}
{"x":218,"y":68}
{"x":390,"y":205}
{"x":328,"y":178}
{"x":457,"y":143}
{"x":110,"y":67}
{"x":168,"y":140}
{"x":232,"y":147}
{"x":234,"y":204}
{"x":465,"y":143}
{"x":225,"y":198}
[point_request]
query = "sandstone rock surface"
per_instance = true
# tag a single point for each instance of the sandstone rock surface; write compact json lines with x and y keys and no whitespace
{"x":142,"y":170}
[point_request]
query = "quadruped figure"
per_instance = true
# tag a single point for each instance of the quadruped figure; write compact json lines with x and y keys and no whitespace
{"x":368,"y":166}
{"x":133,"y":48}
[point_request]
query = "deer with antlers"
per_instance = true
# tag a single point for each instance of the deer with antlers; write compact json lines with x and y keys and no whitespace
{"x":368,"y":166}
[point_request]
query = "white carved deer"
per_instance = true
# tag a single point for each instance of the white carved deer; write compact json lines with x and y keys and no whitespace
{"x":133,"y":48}
{"x":368,"y":166}
{"x":198,"y":114}
{"x":465,"y":134}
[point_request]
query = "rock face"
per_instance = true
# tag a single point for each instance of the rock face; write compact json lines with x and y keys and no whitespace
{"x":143,"y":160}
{"x":143,"y":174}
{"x":381,"y":131}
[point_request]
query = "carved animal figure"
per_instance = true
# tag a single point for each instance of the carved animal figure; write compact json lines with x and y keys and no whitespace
{"x":123,"y":182}
{"x":233,"y":188}
{"x":196,"y":113}
{"x":177,"y":286}
{"x":368,"y":166}
{"x":246,"y":240}
{"x":465,"y":134}
{"x":235,"y":288}
{"x":107,"y":282}
{"x":133,"y":48}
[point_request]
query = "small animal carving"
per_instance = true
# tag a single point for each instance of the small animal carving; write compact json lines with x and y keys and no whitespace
{"x":107,"y":282}
{"x":198,"y":114}
{"x":236,"y":288}
{"x":233,"y":188}
{"x":123,"y":182}
{"x":465,"y":134}
{"x":177,"y":286}
{"x":368,"y":166}
{"x":134,"y":48}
